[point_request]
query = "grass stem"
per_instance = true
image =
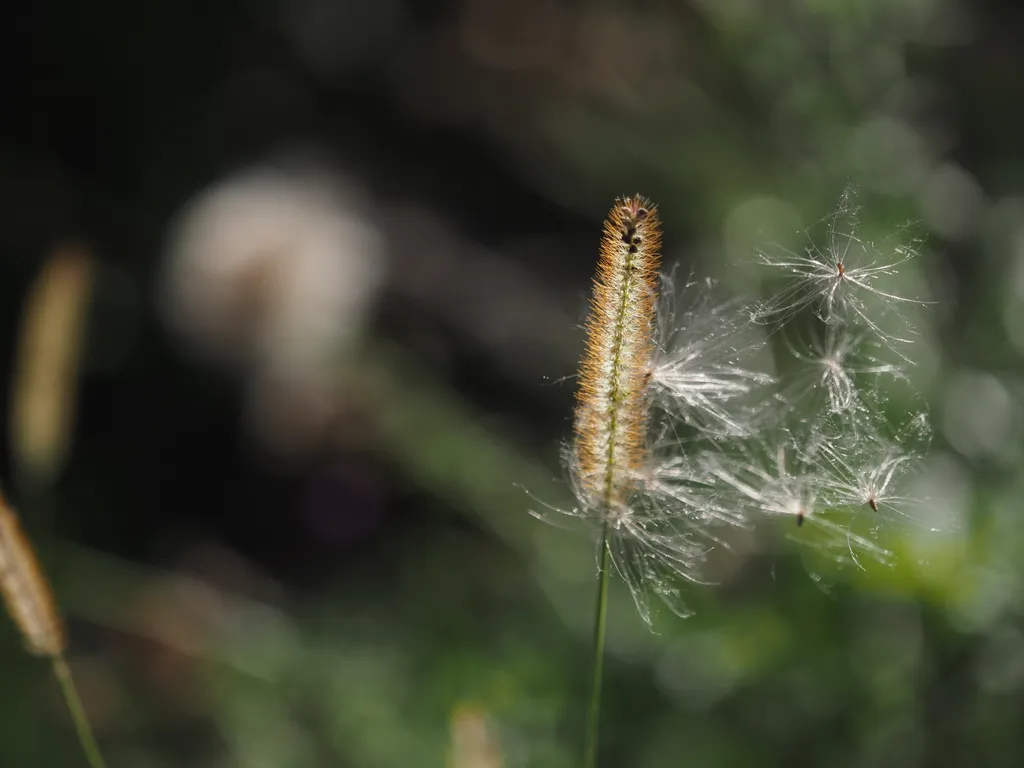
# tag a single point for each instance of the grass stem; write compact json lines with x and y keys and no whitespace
{"x":594,"y":711}
{"x":74,"y":702}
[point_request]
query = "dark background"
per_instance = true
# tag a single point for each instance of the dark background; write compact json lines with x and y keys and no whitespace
{"x":336,"y":567}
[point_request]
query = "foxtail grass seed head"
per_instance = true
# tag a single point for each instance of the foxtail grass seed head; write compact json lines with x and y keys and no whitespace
{"x":26,"y":591}
{"x":612,"y":406}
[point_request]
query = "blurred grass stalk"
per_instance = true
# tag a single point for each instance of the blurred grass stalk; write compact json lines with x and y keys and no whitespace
{"x":46,"y":367}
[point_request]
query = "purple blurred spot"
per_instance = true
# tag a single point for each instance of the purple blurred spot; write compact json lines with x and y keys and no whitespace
{"x":344,"y":504}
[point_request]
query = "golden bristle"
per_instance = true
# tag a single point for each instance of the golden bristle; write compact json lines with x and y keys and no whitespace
{"x":26,"y":591}
{"x":612,"y":409}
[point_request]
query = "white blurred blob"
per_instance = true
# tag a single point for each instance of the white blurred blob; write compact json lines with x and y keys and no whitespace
{"x":981,"y":418}
{"x":952,"y":201}
{"x":889,"y":155}
{"x":273,"y":270}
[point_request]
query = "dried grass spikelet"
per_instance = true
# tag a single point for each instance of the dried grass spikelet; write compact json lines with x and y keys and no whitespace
{"x":473,"y":742}
{"x":612,"y":416}
{"x":43,"y":398}
{"x":26,"y":591}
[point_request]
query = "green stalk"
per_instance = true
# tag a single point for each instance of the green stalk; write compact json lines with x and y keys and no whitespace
{"x":85,"y":735}
{"x":594,"y":711}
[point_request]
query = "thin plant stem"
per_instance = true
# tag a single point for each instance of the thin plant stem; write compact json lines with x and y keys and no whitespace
{"x":594,"y":711}
{"x":74,"y":702}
